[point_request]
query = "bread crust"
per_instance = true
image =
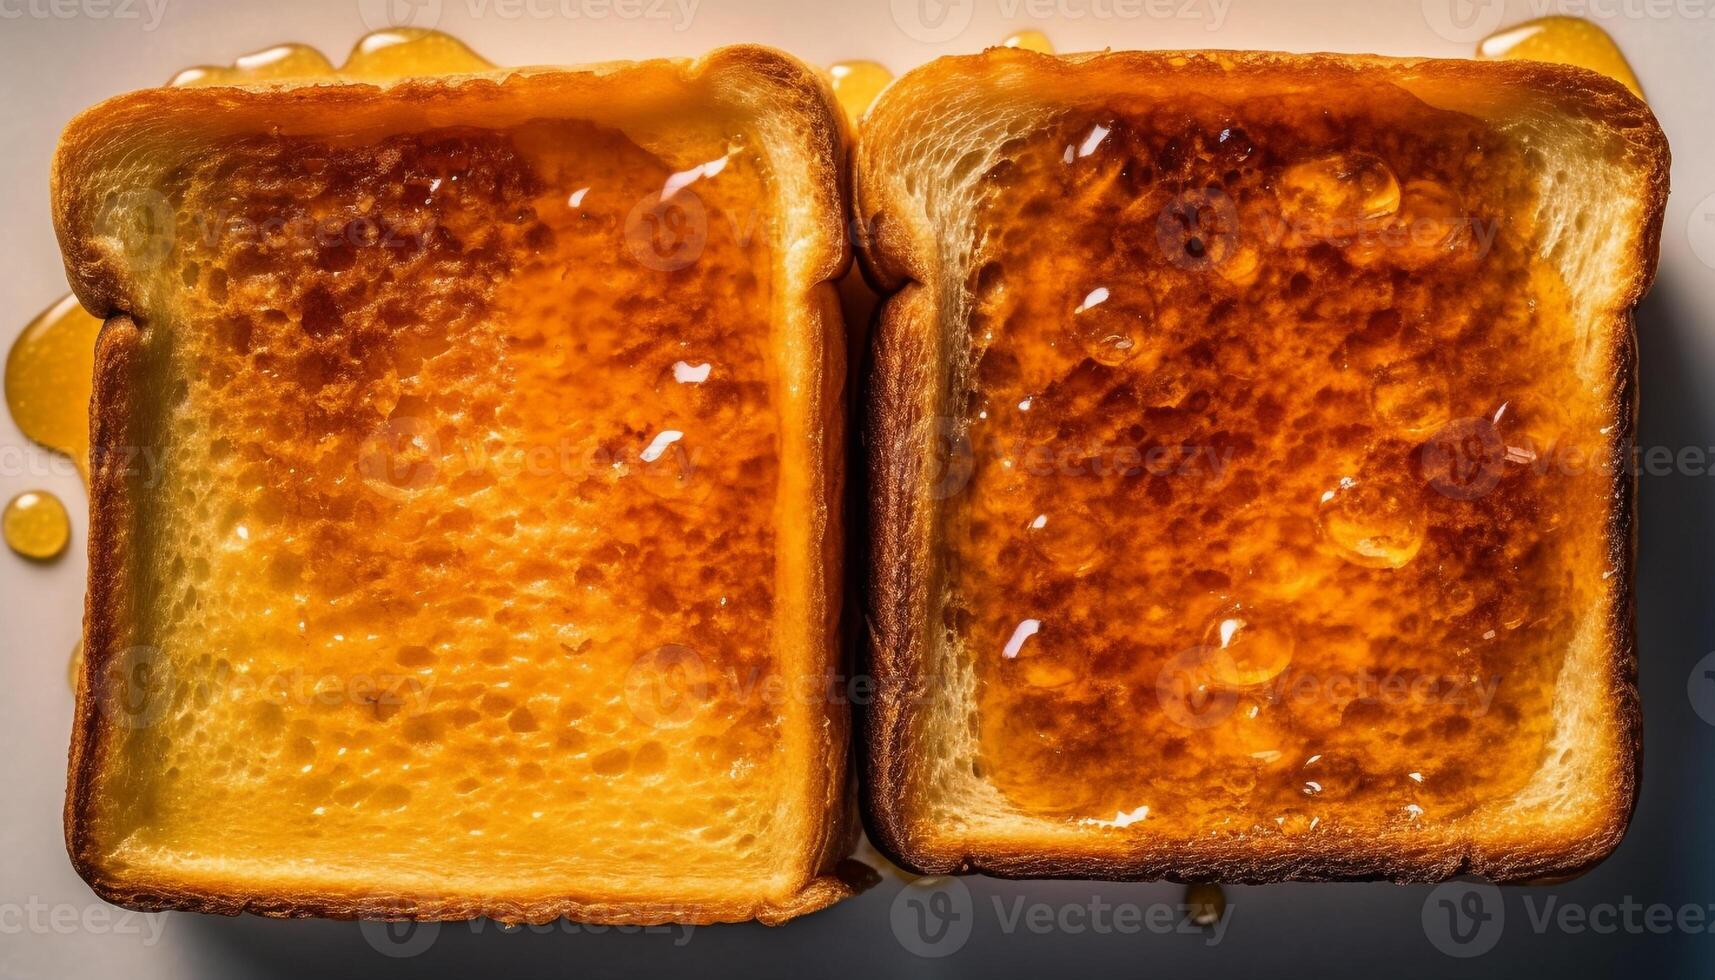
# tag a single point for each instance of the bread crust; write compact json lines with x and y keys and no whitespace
{"x":910,"y":360}
{"x":756,"y":85}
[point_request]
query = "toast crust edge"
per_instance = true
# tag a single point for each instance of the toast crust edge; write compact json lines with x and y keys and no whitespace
{"x":901,"y":390}
{"x":773,"y":79}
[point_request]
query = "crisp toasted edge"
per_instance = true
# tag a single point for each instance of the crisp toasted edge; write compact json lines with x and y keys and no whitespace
{"x":906,"y":356}
{"x":764,"y":81}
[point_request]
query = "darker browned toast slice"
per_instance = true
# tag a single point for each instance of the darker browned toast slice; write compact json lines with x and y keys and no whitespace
{"x":1248,"y":439}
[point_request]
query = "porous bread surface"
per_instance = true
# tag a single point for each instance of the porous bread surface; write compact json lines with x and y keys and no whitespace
{"x":459,"y":575}
{"x":1197,"y":591}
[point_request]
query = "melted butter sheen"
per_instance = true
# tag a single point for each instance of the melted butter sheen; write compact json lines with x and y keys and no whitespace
{"x":1564,"y":40}
{"x":1229,"y":378}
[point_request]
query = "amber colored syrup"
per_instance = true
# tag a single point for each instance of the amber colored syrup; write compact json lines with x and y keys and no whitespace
{"x":48,"y":378}
{"x":379,"y":56}
{"x":1564,"y":40}
{"x":36,"y":525}
{"x":1211,"y":536}
{"x":1205,"y":904}
{"x":1030,"y":40}
{"x":856,"y":85}
{"x":47,"y":391}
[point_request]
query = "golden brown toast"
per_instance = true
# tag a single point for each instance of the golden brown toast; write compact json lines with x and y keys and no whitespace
{"x":464,"y":506}
{"x":1249,"y":441}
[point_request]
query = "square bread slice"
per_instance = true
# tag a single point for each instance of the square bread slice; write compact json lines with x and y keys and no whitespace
{"x":464,"y":508}
{"x":1249,"y":440}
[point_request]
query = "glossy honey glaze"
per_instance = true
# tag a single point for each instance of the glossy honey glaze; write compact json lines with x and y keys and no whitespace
{"x":461,"y":463}
{"x":1266,"y":525}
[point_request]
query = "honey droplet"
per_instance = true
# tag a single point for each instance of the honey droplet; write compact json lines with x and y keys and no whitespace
{"x":1411,"y":395}
{"x":48,"y":376}
{"x":1336,"y":196}
{"x":1249,"y":647}
{"x":379,"y":56}
{"x":1562,"y":40}
{"x":1374,"y":523}
{"x":1205,"y":904}
{"x":282,"y":62}
{"x":1030,"y":40}
{"x":857,"y":84}
{"x":1110,"y":330}
{"x":1429,"y":226}
{"x":1067,"y":538}
{"x":404,"y":51}
{"x":36,"y":525}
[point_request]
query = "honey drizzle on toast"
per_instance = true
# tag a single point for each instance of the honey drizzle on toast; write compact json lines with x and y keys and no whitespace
{"x":1270,"y":490}
{"x":513,"y":449}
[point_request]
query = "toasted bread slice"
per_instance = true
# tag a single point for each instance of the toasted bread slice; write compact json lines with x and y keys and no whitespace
{"x":1249,"y":439}
{"x":464,"y":529}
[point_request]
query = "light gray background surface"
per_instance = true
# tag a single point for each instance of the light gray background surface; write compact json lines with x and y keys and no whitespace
{"x":58,"y":57}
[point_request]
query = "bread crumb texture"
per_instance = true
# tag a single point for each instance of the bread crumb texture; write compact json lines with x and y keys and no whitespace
{"x":459,"y":569}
